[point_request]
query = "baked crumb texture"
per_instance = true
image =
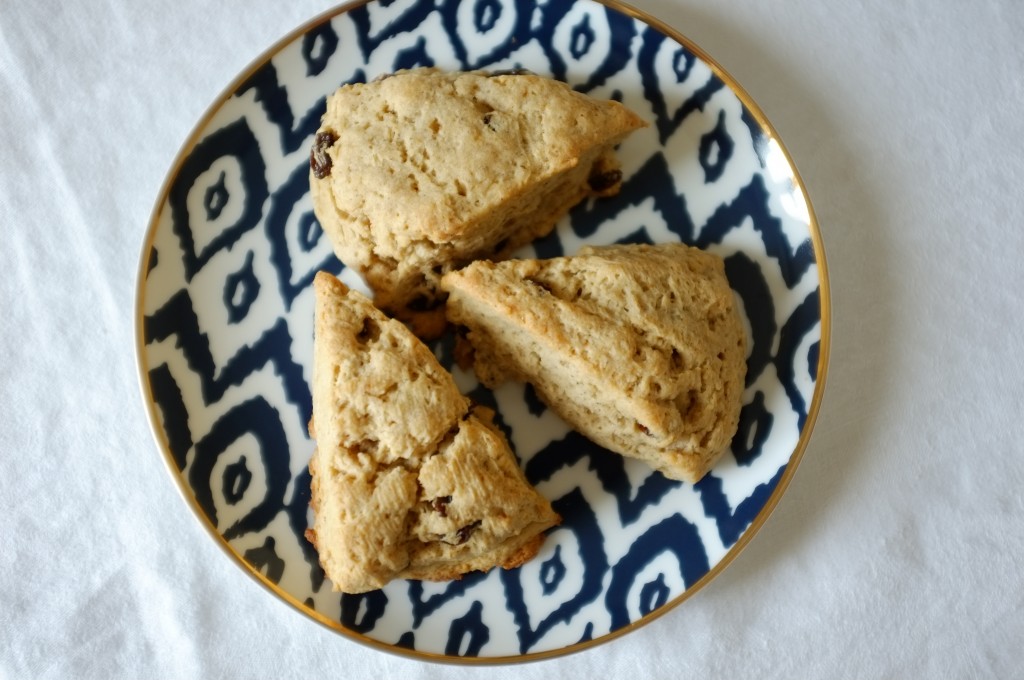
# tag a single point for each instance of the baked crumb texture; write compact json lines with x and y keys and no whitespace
{"x":640,"y":348}
{"x":422,"y":172}
{"x":409,"y":480}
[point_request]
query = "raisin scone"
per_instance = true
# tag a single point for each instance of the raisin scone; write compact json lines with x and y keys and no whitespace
{"x":423,"y":171}
{"x":409,"y":480}
{"x":640,"y":348}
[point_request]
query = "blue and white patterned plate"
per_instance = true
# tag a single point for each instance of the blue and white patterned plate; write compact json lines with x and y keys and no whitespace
{"x":224,"y":324}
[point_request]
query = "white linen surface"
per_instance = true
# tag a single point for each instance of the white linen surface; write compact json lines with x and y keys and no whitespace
{"x":896,"y":551}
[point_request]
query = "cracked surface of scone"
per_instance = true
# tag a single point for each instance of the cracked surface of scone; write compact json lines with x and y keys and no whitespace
{"x":409,"y":479}
{"x":640,"y":348}
{"x":423,"y":171}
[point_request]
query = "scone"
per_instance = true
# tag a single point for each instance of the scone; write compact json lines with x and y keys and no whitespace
{"x":408,"y":480}
{"x":423,"y":171}
{"x":640,"y":348}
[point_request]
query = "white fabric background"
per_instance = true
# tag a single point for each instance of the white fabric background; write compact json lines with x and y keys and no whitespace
{"x":896,"y":551}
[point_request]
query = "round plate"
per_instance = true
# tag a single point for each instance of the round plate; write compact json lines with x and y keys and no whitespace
{"x":224,"y":321}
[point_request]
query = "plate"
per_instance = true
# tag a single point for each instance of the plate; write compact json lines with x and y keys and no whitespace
{"x":224,"y":324}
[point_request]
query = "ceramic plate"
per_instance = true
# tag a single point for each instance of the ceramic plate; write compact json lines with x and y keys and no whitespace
{"x":224,"y":324}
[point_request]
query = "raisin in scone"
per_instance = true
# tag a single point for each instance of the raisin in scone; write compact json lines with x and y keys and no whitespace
{"x":423,"y":171}
{"x":409,"y":480}
{"x":640,"y":348}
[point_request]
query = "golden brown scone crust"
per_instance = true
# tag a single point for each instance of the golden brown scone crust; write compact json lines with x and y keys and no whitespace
{"x":424,"y":171}
{"x":640,"y":348}
{"x":408,"y":479}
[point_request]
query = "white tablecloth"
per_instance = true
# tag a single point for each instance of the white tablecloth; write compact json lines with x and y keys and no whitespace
{"x":896,"y":550}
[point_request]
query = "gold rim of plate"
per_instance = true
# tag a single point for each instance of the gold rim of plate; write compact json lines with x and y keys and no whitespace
{"x":748,"y":535}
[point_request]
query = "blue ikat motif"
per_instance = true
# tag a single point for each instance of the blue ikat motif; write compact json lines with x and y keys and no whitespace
{"x":227,"y":319}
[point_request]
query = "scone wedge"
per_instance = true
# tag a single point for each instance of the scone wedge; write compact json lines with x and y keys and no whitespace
{"x":409,"y":480}
{"x":640,"y":348}
{"x":423,"y":171}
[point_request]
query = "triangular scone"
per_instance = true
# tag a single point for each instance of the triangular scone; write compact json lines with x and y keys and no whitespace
{"x":408,"y":480}
{"x":423,"y":171}
{"x":640,"y":348}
